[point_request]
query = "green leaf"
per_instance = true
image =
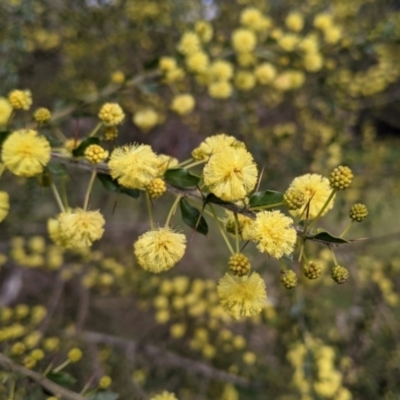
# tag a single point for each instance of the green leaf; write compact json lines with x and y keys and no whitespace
{"x":57,"y":169}
{"x":104,"y":395}
{"x":80,"y":150}
{"x":327,"y":238}
{"x":61,"y":378}
{"x":265,"y":198}
{"x":212,"y":198}
{"x":181,"y":177}
{"x":112,"y":185}
{"x":3,"y":136}
{"x":44,"y":179}
{"x":192,"y":217}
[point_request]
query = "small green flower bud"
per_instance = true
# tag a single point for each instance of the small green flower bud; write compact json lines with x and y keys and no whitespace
{"x":340,"y":274}
{"x":288,"y":279}
{"x":312,"y":270}
{"x":341,"y":177}
{"x":110,"y":133}
{"x":239,"y":264}
{"x":156,"y":188}
{"x":294,"y":199}
{"x":358,"y":212}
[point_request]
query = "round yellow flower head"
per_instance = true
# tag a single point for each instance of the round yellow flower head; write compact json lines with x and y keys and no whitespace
{"x":20,"y":99}
{"x":316,"y":190}
{"x":134,"y":166}
{"x":313,"y":62}
{"x":309,"y":44}
{"x":25,"y":153}
{"x":265,"y":73}
{"x":95,"y":154}
{"x":214,"y":144}
{"x":220,"y":90}
{"x":166,"y":162}
{"x":189,"y":43}
{"x":117,"y":77}
{"x":221,"y":70}
{"x":332,"y":34}
{"x":245,"y":224}
{"x":145,"y":119}
{"x":273,"y":233}
{"x":205,"y":30}
{"x":42,"y":115}
{"x":295,"y":21}
{"x":183,"y":104}
{"x":110,"y":133}
{"x":5,"y":111}
{"x":164,"y":396}
{"x":105,"y":382}
{"x":159,"y":249}
{"x":37,"y":354}
{"x":243,"y":40}
{"x":111,"y":114}
{"x":79,"y":228}
{"x":74,"y":355}
{"x":288,"y":42}
{"x":167,"y":64}
{"x":249,"y":358}
{"x":197,"y":62}
{"x":174,"y":75}
{"x":245,"y":80}
{"x":253,"y":19}
{"x":323,"y":21}
{"x":177,"y":330}
{"x":246,"y":59}
{"x":4,"y":205}
{"x":230,"y":174}
{"x":242,"y":296}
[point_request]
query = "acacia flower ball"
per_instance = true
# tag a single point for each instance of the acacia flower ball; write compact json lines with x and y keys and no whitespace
{"x":42,"y":115}
{"x":25,"y":153}
{"x":95,"y":154}
{"x":145,"y":119}
{"x":295,"y":21}
{"x":5,"y":111}
{"x":20,"y":99}
{"x":167,"y":64}
{"x":111,"y":114}
{"x":164,"y":396}
{"x":183,"y":104}
{"x":243,"y":40}
{"x":4,"y":205}
{"x":220,"y":90}
{"x":265,"y":73}
{"x":221,"y":70}
{"x":230,"y":174}
{"x":242,"y":296}
{"x":80,"y":228}
{"x":159,"y":249}
{"x":166,"y":162}
{"x":273,"y":233}
{"x":134,"y":166}
{"x":245,"y":80}
{"x":189,"y":43}
{"x":316,"y":190}
{"x":205,"y":30}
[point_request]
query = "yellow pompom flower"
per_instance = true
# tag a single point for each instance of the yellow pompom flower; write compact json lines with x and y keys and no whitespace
{"x":215,"y":143}
{"x":288,"y":42}
{"x":265,"y":73}
{"x":205,"y":30}
{"x":25,"y":153}
{"x":221,"y":70}
{"x":105,"y":382}
{"x":252,"y":18}
{"x":74,"y":355}
{"x":183,"y":104}
{"x":159,"y":249}
{"x":166,"y":162}
{"x":242,"y":296}
{"x":4,"y":205}
{"x":245,"y":80}
{"x":273,"y":233}
{"x":5,"y":111}
{"x":189,"y":43}
{"x":167,"y":64}
{"x":313,"y":62}
{"x":111,"y":114}
{"x":95,"y":154}
{"x":332,"y":34}
{"x":230,"y":174}
{"x":220,"y":90}
{"x":164,"y":396}
{"x":79,"y":228}
{"x":316,"y":190}
{"x":134,"y":166}
{"x":323,"y":21}
{"x":246,"y":59}
{"x":197,"y":62}
{"x":117,"y":77}
{"x":42,"y":115}
{"x":145,"y":119}
{"x":243,"y":40}
{"x":20,"y":99}
{"x":295,"y":21}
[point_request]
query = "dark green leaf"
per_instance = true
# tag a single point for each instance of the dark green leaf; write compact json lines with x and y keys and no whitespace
{"x":112,"y":185}
{"x":180,"y":177}
{"x":44,"y":179}
{"x":212,"y":198}
{"x":61,"y":378}
{"x":265,"y":198}
{"x":3,"y":136}
{"x":57,"y":169}
{"x":80,"y":150}
{"x":326,"y":237}
{"x":104,"y":395}
{"x":191,"y":216}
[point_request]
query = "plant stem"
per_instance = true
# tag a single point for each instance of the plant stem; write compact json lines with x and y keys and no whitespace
{"x":328,"y":200}
{"x":57,"y":196}
{"x":347,"y":228}
{"x":149,"y":209}
{"x":236,"y":233}
{"x":61,"y":366}
{"x":95,"y":129}
{"x":89,"y":189}
{"x":193,"y":164}
{"x":64,"y":192}
{"x":266,"y":207}
{"x":183,"y":163}
{"x":172,"y":210}
{"x":221,"y":229}
{"x":333,"y":256}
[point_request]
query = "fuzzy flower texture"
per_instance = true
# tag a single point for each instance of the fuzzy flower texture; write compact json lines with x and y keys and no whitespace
{"x":25,"y":153}
{"x":159,"y":249}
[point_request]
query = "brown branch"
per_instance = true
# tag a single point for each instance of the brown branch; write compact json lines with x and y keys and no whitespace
{"x":52,"y":387}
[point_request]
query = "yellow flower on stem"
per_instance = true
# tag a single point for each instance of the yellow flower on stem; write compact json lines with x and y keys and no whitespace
{"x":4,"y":204}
